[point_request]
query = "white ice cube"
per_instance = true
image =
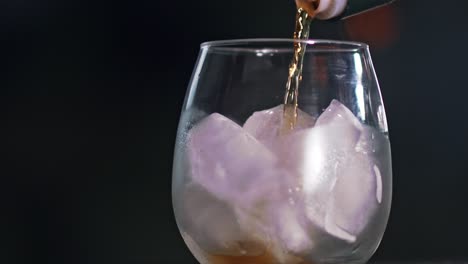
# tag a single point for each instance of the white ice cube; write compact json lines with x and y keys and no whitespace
{"x":291,"y":227}
{"x":315,"y":152}
{"x":371,"y":141}
{"x":339,"y":184}
{"x":265,"y":125}
{"x":313,"y":157}
{"x":230,"y":163}
{"x":355,"y":196}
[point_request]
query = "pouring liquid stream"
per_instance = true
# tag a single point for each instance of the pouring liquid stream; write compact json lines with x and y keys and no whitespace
{"x":303,"y":21}
{"x":301,"y":32}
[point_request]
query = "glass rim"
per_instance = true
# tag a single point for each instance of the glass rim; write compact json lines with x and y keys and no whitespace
{"x":243,"y":43}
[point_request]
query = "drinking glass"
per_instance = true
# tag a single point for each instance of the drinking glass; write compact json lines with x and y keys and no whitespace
{"x":245,"y":190}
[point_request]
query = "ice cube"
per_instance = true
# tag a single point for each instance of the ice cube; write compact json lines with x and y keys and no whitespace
{"x":371,"y":141}
{"x":213,"y":226}
{"x":338,"y":114}
{"x":230,"y":163}
{"x":265,"y":125}
{"x":375,"y":145}
{"x":234,"y":167}
{"x":339,"y":183}
{"x":263,"y":201}
{"x":291,"y":227}
{"x":336,"y":131}
{"x":355,"y":196}
{"x":313,"y":156}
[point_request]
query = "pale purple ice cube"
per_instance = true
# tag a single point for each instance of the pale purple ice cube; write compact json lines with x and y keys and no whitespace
{"x":230,"y":163}
{"x":265,"y":125}
{"x":236,"y":169}
{"x":338,"y":114}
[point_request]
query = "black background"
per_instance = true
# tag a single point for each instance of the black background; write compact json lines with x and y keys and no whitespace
{"x":91,"y":93}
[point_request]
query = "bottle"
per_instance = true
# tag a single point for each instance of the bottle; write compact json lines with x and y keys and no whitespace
{"x":338,"y":9}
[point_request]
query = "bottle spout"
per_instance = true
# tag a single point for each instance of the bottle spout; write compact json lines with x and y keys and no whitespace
{"x":323,"y":9}
{"x":310,"y":6}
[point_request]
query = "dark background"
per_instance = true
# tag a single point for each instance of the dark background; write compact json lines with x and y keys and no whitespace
{"x":91,"y":93}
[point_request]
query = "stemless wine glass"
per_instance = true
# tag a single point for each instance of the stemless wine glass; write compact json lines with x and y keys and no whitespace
{"x":246,"y":191}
